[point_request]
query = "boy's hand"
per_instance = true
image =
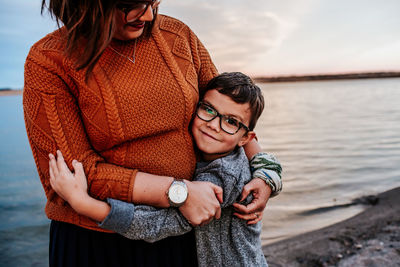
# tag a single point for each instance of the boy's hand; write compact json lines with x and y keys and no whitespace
{"x":253,"y":212}
{"x":72,"y":187}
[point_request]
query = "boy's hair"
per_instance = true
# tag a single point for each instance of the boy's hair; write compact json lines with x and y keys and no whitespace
{"x":241,"y":89}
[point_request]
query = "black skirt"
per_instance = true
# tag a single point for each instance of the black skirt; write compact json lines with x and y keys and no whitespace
{"x":71,"y":245}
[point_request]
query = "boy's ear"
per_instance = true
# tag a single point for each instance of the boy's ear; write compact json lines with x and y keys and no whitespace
{"x":247,"y":138}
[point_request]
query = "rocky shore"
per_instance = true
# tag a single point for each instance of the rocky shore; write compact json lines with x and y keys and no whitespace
{"x":371,"y":238}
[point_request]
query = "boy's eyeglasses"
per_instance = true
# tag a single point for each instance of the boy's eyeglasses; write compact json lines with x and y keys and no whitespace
{"x":228,"y":124}
{"x":135,"y":9}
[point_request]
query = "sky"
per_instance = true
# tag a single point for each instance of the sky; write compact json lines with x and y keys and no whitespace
{"x":258,"y":37}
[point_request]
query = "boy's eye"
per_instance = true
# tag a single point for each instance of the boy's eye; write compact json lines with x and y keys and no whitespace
{"x":231,"y":121}
{"x":209,"y":110}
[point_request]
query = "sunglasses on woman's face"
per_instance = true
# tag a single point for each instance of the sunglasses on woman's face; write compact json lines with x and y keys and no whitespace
{"x":135,"y":9}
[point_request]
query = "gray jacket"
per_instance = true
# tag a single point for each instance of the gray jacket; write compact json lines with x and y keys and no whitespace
{"x":228,"y":241}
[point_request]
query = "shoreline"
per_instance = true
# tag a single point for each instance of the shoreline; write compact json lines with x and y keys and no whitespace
{"x":326,"y":77}
{"x":10,"y":92}
{"x":371,"y":238}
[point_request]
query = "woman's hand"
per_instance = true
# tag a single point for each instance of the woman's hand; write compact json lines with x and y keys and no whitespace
{"x":253,"y":212}
{"x":72,"y":187}
{"x":203,"y":203}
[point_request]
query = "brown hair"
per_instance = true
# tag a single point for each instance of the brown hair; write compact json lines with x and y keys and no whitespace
{"x":241,"y":89}
{"x":88,"y":21}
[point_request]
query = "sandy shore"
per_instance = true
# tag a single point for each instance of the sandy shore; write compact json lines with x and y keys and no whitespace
{"x":371,"y":238}
{"x":10,"y":92}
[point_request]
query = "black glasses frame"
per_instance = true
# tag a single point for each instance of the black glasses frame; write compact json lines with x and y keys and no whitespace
{"x":126,"y":8}
{"x":241,"y":125}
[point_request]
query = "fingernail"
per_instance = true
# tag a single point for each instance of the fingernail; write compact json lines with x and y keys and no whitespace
{"x":50,"y":156}
{"x":74,"y":161}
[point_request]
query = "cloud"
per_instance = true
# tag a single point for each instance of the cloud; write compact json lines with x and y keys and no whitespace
{"x":240,"y":41}
{"x":234,"y":34}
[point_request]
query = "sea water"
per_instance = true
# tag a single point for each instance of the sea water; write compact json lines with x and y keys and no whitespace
{"x":336,"y":140}
{"x":24,"y":228}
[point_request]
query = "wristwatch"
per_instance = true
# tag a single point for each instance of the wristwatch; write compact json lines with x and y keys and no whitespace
{"x":177,"y":193}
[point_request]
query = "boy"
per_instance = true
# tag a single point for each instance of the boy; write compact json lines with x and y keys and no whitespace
{"x":225,"y":118}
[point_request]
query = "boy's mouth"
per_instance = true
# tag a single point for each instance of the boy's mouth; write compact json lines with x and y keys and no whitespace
{"x":210,"y":136}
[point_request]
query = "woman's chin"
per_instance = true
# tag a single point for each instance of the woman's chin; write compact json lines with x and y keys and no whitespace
{"x":129,"y":33}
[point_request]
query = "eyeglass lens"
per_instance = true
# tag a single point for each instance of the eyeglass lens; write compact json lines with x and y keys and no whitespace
{"x":208,"y":113}
{"x":134,"y":10}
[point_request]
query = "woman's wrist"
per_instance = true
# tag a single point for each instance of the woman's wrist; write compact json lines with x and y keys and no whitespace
{"x":151,"y":190}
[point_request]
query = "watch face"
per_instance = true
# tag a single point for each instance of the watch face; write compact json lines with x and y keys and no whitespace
{"x":177,"y":193}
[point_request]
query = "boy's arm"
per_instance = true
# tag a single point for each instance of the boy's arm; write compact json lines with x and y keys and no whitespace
{"x":142,"y":222}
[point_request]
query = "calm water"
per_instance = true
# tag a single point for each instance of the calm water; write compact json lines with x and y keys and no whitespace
{"x":23,"y":225}
{"x":337,"y":140}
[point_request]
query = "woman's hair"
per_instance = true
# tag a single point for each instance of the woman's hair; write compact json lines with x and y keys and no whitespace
{"x":91,"y":22}
{"x":241,"y":89}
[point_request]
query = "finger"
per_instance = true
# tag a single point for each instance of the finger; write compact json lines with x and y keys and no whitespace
{"x":218,"y":193}
{"x":62,"y":166}
{"x":246,"y":191}
{"x":52,"y":179}
{"x":245,"y":217}
{"x":218,"y":214}
{"x":259,"y":216}
{"x":250,"y":218}
{"x":252,"y":207}
{"x":51,"y":173}
{"x":239,"y":208}
{"x":78,"y":168}
{"x":253,"y":221}
{"x":53,"y":165}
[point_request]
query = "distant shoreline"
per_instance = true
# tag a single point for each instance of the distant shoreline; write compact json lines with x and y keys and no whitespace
{"x":325,"y":77}
{"x":277,"y":79}
{"x":6,"y":92}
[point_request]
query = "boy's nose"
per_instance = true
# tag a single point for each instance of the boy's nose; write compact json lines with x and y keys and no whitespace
{"x":215,"y":124}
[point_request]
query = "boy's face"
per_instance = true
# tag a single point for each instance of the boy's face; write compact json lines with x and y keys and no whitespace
{"x":210,"y":138}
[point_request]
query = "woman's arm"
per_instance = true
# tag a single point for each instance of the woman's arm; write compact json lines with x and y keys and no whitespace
{"x":54,"y":121}
{"x":139,"y":222}
{"x":260,"y":188}
{"x":72,"y":187}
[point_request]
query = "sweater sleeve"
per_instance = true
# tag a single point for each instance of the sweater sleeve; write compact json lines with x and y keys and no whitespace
{"x":53,"y":121}
{"x":142,"y":222}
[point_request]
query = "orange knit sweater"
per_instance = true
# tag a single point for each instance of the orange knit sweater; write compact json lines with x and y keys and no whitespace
{"x":127,"y":117}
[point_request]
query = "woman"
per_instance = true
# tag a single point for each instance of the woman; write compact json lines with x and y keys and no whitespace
{"x":115,"y":88}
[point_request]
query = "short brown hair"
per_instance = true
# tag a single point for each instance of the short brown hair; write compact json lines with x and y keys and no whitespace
{"x":88,"y":21}
{"x":241,"y":89}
